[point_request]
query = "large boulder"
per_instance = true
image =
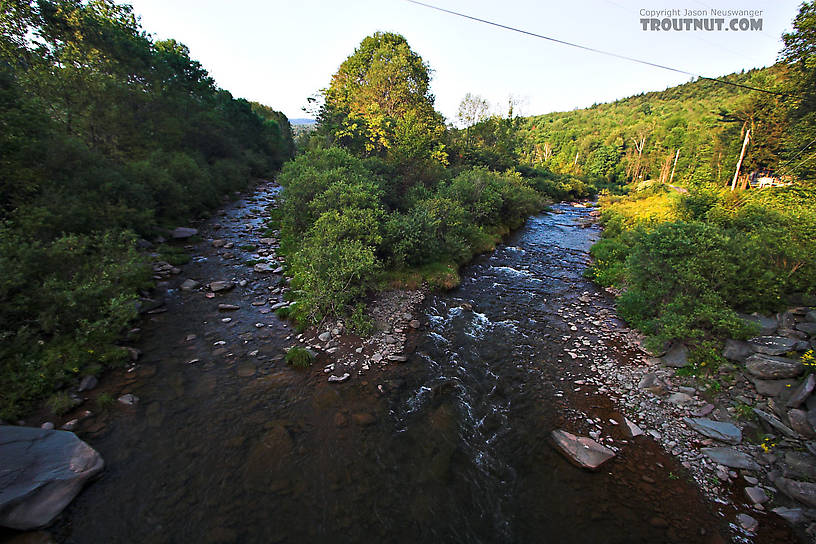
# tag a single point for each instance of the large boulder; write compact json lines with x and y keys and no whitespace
{"x":40,"y":473}
{"x":773,"y":368}
{"x":773,"y":345}
{"x":718,"y":430}
{"x":581,"y":450}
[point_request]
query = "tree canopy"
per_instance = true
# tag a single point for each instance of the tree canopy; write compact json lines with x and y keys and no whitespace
{"x":379,"y":103}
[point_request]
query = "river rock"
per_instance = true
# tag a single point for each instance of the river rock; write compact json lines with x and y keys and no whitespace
{"x":772,"y":345}
{"x":219,"y":286}
{"x":181,"y":233}
{"x":189,"y":284}
{"x":324,"y":336}
{"x":88,"y":383}
{"x":801,"y":393}
{"x":747,"y":522}
{"x":634,"y":430}
{"x":679,"y":398}
{"x":736,"y":350}
{"x":774,"y":368}
{"x":767,"y":325}
{"x":262,"y":267}
{"x":799,"y":422}
{"x":799,"y":464}
{"x":228,"y":307}
{"x":804,"y":492}
{"x":718,"y":430}
{"x":807,"y":328}
{"x":339,"y":379}
{"x":581,"y":450}
{"x":756,"y":495}
{"x":791,"y":515}
{"x":771,"y":388}
{"x":129,"y":399}
{"x":650,"y":382}
{"x":775,"y":422}
{"x":731,"y":458}
{"x":42,"y":471}
{"x":676,"y":357}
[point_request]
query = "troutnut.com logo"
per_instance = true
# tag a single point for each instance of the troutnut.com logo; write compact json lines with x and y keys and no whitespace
{"x":690,"y":20}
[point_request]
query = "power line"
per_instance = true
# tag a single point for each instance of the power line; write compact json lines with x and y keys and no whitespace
{"x":594,"y":50}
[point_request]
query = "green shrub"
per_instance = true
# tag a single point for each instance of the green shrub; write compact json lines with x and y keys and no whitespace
{"x":59,"y":403}
{"x":299,"y":357}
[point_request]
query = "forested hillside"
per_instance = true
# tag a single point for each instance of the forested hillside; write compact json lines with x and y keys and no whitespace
{"x":106,"y":135}
{"x":637,"y":138}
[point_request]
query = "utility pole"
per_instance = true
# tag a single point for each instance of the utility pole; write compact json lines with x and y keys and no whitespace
{"x":674,"y":165}
{"x":739,"y":162}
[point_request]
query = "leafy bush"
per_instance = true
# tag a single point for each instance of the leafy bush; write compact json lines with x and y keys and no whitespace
{"x":64,"y":303}
{"x":299,"y":357}
{"x":689,"y":263}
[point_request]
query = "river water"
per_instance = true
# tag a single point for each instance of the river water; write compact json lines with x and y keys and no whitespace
{"x":452,"y":446}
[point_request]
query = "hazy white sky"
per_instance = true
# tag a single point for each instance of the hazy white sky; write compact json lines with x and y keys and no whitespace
{"x":279,"y":53}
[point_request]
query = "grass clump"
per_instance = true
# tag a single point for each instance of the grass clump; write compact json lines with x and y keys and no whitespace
{"x":298,"y":357}
{"x":59,"y":403}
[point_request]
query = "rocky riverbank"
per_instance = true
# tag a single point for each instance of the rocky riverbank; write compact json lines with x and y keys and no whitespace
{"x":745,"y":436}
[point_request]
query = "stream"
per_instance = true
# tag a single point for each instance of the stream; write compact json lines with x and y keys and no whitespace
{"x":452,"y":446}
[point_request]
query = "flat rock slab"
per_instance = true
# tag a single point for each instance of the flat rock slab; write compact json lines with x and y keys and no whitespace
{"x":41,"y":472}
{"x":181,"y":233}
{"x":581,"y":450}
{"x":773,"y":368}
{"x":775,"y":422}
{"x":718,"y":430}
{"x":772,"y":345}
{"x":731,"y":458}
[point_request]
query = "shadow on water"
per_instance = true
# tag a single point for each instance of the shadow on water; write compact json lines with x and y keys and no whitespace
{"x":453,"y":448}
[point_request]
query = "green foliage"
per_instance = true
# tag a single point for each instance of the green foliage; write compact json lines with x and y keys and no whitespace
{"x":299,"y":357}
{"x":704,"y":120}
{"x":104,"y":401}
{"x":359,"y":321}
{"x":689,"y":262}
{"x":345,"y":228}
{"x":59,"y":403}
{"x":105,"y":133}
{"x":379,"y":103}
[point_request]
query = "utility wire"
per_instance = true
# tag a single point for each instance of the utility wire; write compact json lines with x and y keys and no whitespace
{"x":593,"y":50}
{"x":797,"y":154}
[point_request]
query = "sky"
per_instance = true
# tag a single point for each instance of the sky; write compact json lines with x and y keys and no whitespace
{"x":280,"y":53}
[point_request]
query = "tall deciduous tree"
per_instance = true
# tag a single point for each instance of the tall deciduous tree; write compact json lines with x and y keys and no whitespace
{"x":800,"y":54}
{"x":379,"y":103}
